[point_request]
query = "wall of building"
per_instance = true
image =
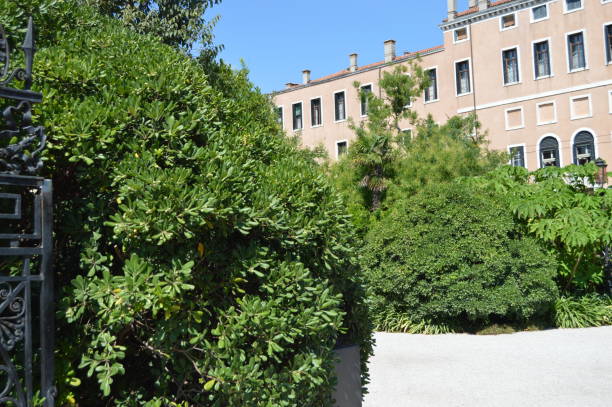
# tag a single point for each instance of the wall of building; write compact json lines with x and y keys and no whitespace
{"x":511,"y":115}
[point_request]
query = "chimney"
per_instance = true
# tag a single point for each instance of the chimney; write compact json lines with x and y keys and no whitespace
{"x":290,"y":85}
{"x":473,"y":3}
{"x":353,"y":62}
{"x":483,"y":4}
{"x":452,"y":9}
{"x":305,"y":76}
{"x":389,"y":50}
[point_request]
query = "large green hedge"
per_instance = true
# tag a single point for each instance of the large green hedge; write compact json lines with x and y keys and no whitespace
{"x":452,"y":254}
{"x":202,"y":259}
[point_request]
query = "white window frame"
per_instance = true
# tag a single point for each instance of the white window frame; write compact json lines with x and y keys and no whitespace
{"x":437,"y":88}
{"x":467,"y":30}
{"x":559,"y":146}
{"x":572,"y":113}
{"x":586,"y":51}
{"x":518,"y":62}
{"x":605,"y":38}
{"x":501,"y":22}
{"x":282,"y":108}
{"x":610,"y":99}
{"x":345,"y":105}
{"x":337,"y":150}
{"x":532,"y":20}
{"x":566,"y":11}
{"x":539,"y":122}
{"x":511,"y":109}
{"x":587,"y":129}
{"x":510,"y":146}
{"x":321,"y":99}
{"x":360,"y":87}
{"x":550,"y":58}
{"x":303,"y":115}
{"x":469,"y":61}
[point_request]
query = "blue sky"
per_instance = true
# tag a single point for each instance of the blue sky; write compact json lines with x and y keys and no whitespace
{"x":277,"y":39}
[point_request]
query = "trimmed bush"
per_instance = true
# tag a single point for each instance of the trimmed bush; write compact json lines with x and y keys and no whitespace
{"x":452,"y":255}
{"x":202,"y":259}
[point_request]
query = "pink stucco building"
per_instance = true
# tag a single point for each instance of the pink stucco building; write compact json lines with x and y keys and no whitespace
{"x":538,"y":73}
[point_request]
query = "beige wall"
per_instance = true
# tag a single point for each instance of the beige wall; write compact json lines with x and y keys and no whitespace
{"x":491,"y":98}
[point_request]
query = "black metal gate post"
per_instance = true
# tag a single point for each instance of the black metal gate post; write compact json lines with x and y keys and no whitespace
{"x":26,"y":243}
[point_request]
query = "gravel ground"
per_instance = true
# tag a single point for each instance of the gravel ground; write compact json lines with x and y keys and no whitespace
{"x":560,"y":368}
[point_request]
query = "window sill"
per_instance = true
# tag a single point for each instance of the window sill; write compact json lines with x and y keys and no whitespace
{"x":515,"y":128}
{"x":340,"y":121}
{"x":541,"y":19}
{"x":581,"y":117}
{"x":578,"y":70}
{"x":508,"y":28}
{"x":544,"y":77}
{"x":363,"y":116}
{"x":573,"y":11}
{"x":546,"y":123}
{"x":431,"y":101}
{"x":296,"y":130}
{"x":464,"y":94}
{"x":316,"y":126}
{"x":512,"y":83}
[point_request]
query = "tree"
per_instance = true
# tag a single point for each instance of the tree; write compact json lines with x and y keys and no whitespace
{"x":561,"y":208}
{"x":374,"y":153}
{"x":178,"y":23}
{"x":201,"y":259}
{"x":453,"y":254}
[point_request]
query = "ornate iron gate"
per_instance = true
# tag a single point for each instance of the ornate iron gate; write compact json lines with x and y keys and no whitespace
{"x":26,"y":280}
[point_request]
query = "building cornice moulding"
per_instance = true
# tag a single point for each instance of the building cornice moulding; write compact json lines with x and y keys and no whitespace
{"x":491,"y":12}
{"x":398,"y":60}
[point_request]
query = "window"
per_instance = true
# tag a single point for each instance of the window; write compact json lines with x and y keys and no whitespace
{"x":365,"y":91}
{"x":584,"y":148}
{"x":341,"y":148}
{"x":517,"y":156}
{"x":539,"y":13}
{"x":461,"y":34}
{"x":315,"y":112}
{"x":571,"y":5}
{"x":608,"y":42}
{"x":298,"y":123}
{"x":508,"y":21}
{"x":431,"y":93}
{"x":339,"y":106}
{"x":575,"y":51}
{"x":511,"y":66}
{"x":405,"y":137}
{"x":549,"y":152}
{"x":279,"y":115}
{"x":541,"y":59}
{"x":462,"y":77}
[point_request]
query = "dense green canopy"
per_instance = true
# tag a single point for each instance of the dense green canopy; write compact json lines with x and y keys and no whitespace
{"x":202,"y":259}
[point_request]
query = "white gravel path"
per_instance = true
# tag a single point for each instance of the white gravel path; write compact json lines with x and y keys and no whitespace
{"x":556,"y":368}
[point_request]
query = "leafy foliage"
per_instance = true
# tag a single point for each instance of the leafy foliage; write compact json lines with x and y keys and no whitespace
{"x":373,"y":154}
{"x":202,"y":259}
{"x":402,"y":324}
{"x":453,"y":255}
{"x":178,"y":23}
{"x":583,"y":312}
{"x":560,"y":207}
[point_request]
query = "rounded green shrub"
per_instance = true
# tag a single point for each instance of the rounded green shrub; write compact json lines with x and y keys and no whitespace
{"x":453,"y":255}
{"x":201,"y":258}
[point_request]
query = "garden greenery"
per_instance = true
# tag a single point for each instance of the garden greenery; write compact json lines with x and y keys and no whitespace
{"x":453,"y":255}
{"x":201,"y":258}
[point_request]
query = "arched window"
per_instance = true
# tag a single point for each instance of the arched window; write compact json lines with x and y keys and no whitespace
{"x":549,"y":152}
{"x":584,"y":148}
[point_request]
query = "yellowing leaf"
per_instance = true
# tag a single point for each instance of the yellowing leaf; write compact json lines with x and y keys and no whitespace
{"x":201,"y":249}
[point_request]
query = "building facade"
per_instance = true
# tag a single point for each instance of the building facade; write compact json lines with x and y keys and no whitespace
{"x":538,"y":74}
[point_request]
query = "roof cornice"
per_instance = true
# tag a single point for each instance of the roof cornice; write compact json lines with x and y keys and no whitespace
{"x":490,"y":12}
{"x":398,"y":60}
